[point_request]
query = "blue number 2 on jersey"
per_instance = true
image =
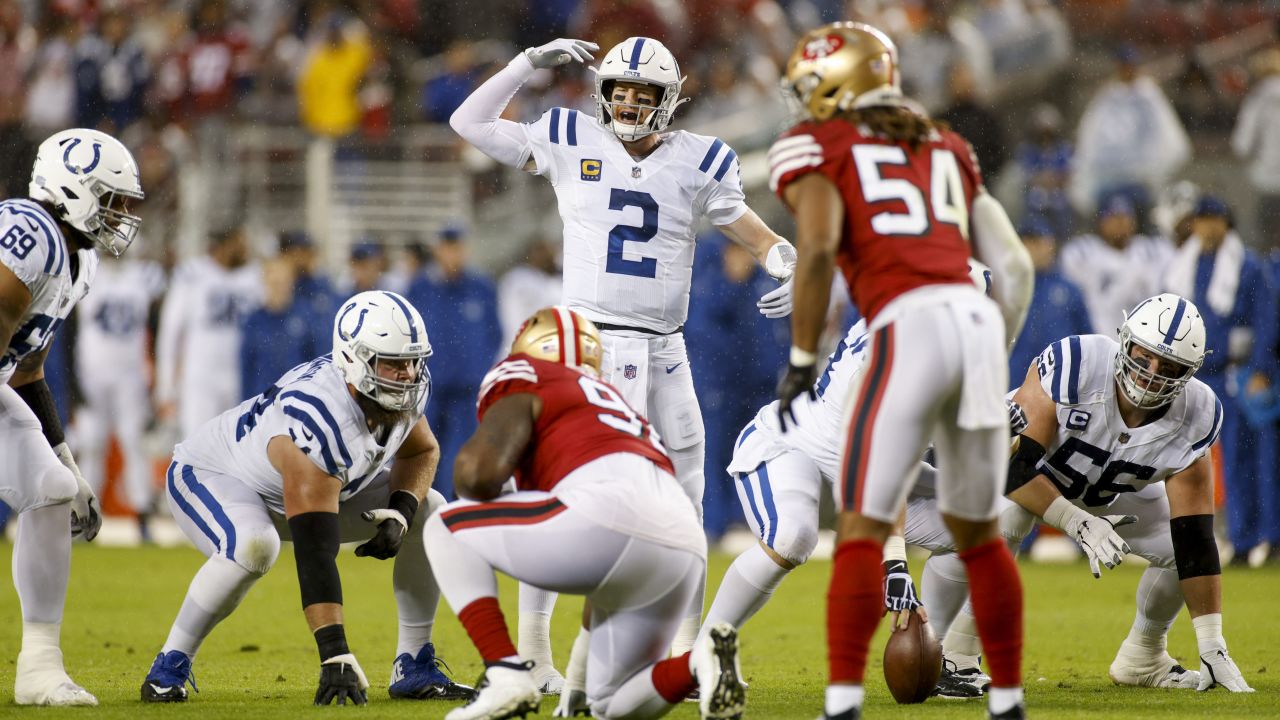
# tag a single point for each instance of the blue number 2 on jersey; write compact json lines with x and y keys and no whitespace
{"x":620,"y":234}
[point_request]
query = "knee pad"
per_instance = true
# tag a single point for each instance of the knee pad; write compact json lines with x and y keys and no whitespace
{"x":58,"y":485}
{"x":257,"y":551}
{"x":795,"y":542}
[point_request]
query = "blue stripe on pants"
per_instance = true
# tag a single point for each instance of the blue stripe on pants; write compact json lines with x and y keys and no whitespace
{"x":751,"y":500}
{"x":190,"y":511}
{"x":770,"y":509}
{"x":219,"y":515}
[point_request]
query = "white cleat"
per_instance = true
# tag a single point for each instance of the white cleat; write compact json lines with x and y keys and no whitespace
{"x":721,"y":694}
{"x":1159,"y":672}
{"x":40,"y":680}
{"x":506,"y":690}
{"x":548,"y":679}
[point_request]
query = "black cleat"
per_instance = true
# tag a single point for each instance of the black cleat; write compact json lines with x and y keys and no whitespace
{"x":1017,"y":712}
{"x":955,"y":684}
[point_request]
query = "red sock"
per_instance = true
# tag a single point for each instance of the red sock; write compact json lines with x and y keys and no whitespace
{"x":672,"y":679}
{"x":855,"y":603}
{"x":487,"y":627}
{"x":996,"y":592}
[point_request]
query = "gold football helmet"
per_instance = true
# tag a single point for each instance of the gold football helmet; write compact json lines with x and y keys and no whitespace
{"x":560,"y":335}
{"x":843,"y":66}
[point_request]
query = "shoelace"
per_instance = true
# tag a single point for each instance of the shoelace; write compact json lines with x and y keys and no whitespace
{"x":439,"y":663}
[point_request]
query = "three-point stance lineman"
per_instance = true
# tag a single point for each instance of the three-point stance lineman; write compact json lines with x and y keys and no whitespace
{"x":306,"y":460}
{"x":80,"y":186}
{"x":595,"y":486}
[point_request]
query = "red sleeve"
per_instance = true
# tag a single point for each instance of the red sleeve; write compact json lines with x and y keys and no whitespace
{"x":806,"y":148}
{"x":510,"y":377}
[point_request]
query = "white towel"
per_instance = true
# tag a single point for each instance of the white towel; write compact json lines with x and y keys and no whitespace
{"x":1223,"y":283}
{"x":986,"y":369}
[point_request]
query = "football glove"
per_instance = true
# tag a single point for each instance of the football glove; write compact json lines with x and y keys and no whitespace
{"x":559,"y":52}
{"x":776,"y":303}
{"x":341,"y":679}
{"x":798,"y":380}
{"x":1217,"y":668}
{"x":1017,"y":418}
{"x":385,"y":543}
{"x":86,"y":519}
{"x":899,"y":590}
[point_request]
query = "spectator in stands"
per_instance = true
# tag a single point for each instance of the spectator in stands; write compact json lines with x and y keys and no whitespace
{"x":445,"y":92}
{"x":1044,"y":160}
{"x":1257,"y":141}
{"x":17,"y":48}
{"x":367,"y":265}
{"x":534,"y":283}
{"x":460,"y":307}
{"x":967,"y":115}
{"x":410,"y":262}
{"x":210,"y":73}
{"x":927,"y":55}
{"x":1117,"y":268}
{"x":733,"y":379}
{"x":1057,"y":307}
{"x":1199,"y":103}
{"x":281,"y":328}
{"x":329,"y":85}
{"x":1130,"y":141}
{"x":112,"y":76}
{"x":1237,"y":300}
{"x":51,"y":90}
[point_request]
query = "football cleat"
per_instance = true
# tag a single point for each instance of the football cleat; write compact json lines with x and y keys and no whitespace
{"x":1017,"y":712}
{"x":1160,"y":672}
{"x":549,"y":680}
{"x":421,"y":678}
{"x":41,"y":680}
{"x":572,"y":704}
{"x":957,"y":684}
{"x":166,"y":681}
{"x":505,"y":690}
{"x":721,"y":694}
{"x":852,"y":713}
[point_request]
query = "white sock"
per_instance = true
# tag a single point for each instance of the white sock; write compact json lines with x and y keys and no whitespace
{"x":41,"y":637}
{"x":747,"y":585}
{"x":575,"y":675}
{"x":533,"y":633}
{"x":417,"y":594}
{"x":962,"y":644}
{"x":215,"y":591}
{"x":841,"y":698}
{"x":944,"y":585}
{"x":42,"y":562}
{"x":1000,"y":699}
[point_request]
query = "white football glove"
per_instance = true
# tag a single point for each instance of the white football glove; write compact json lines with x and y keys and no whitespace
{"x":559,"y":52}
{"x":1216,"y":666}
{"x":1095,"y":534}
{"x":86,"y":518}
{"x":776,"y":303}
{"x":780,"y":261}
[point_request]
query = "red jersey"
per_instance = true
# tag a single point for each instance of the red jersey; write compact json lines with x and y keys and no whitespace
{"x":906,"y":214}
{"x":582,"y":419}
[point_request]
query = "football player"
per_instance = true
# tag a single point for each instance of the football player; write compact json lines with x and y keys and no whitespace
{"x":631,"y":196}
{"x":307,"y":461}
{"x":892,"y":194}
{"x":1108,"y":423}
{"x":81,"y":184}
{"x":111,"y":352}
{"x":594,"y":483}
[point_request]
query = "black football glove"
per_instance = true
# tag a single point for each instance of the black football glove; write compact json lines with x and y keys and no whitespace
{"x":797,"y":380}
{"x":899,"y":590}
{"x":1017,"y":418}
{"x":385,"y":543}
{"x":341,"y":679}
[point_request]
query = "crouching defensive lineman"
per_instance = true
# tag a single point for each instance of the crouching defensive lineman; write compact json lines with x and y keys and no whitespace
{"x":1107,"y":423}
{"x":594,"y":484}
{"x":306,"y":461}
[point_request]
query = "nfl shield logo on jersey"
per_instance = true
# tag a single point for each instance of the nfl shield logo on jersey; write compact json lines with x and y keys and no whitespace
{"x":635,"y":171}
{"x":629,"y":372}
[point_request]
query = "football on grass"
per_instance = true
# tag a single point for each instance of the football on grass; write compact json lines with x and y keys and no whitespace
{"x":912,"y":662}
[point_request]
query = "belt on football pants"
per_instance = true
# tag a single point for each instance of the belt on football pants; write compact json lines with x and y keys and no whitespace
{"x":646,"y":331}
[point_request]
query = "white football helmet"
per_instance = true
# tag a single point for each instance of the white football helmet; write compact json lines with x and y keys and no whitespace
{"x":86,"y":176}
{"x":1171,"y":327}
{"x":639,"y":60}
{"x":378,"y":326}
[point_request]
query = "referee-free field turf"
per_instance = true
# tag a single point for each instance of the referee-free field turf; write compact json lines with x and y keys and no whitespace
{"x":261,"y":662}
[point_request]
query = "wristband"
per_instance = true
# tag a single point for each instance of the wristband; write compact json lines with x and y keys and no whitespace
{"x":405,"y":503}
{"x":802,"y":358}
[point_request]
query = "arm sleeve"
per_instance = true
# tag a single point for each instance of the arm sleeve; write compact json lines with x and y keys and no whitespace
{"x":996,"y":243}
{"x":726,"y":202}
{"x":477,"y":119}
{"x":791,"y":157}
{"x":511,"y":376}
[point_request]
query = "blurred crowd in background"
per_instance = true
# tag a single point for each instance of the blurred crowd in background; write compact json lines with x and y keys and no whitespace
{"x":1135,"y":142}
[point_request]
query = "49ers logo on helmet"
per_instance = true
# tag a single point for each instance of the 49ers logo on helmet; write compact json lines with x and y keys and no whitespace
{"x":822,"y":47}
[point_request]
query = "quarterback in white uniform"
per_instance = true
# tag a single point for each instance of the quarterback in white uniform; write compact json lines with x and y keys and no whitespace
{"x":81,"y":183}
{"x":307,"y":460}
{"x":631,"y":197}
{"x":1108,"y":423}
{"x":111,"y":365}
{"x":198,"y":341}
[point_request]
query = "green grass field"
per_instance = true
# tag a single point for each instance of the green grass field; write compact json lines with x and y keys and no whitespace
{"x":261,"y":662}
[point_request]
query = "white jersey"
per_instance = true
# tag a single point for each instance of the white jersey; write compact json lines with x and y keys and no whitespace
{"x":33,"y":248}
{"x":818,"y":429}
{"x":198,"y":342}
{"x":630,"y":225}
{"x":1094,"y":456}
{"x":1113,"y":281}
{"x":111,"y":332}
{"x":310,"y":404}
